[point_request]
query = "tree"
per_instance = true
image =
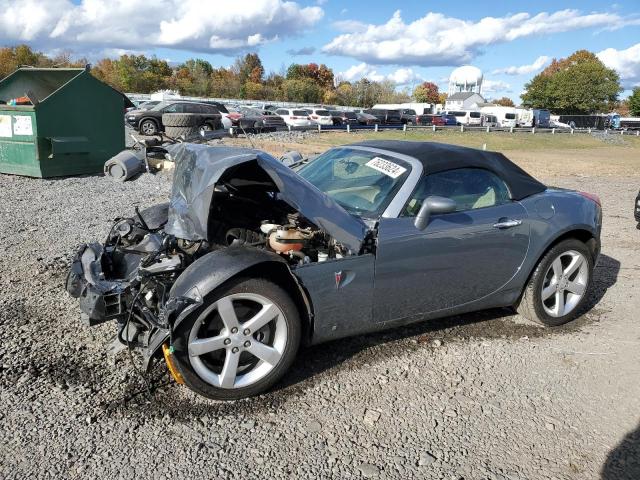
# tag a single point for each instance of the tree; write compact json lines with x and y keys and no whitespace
{"x":634,"y":102}
{"x":578,"y":84}
{"x":442,"y":98}
{"x":303,"y":91}
{"x":249,"y":66}
{"x":505,"y":102}
{"x":426,"y":92}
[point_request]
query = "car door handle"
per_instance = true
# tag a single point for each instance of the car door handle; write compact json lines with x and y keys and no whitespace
{"x":507,"y":223}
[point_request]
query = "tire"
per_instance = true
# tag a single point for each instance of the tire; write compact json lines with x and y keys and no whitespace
{"x":148,"y":127}
{"x":565,"y":301}
{"x":175,"y":132}
{"x":205,"y":127}
{"x":182,"y":119}
{"x":204,"y":372}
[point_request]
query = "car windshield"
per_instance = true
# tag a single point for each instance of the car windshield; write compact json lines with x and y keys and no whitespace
{"x":362,"y":182}
{"x":474,"y":114}
{"x":323,"y":113}
{"x":302,"y":113}
{"x":350,"y":115}
{"x":510,"y":116}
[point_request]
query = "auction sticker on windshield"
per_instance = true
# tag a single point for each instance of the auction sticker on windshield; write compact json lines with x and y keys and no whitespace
{"x":385,"y":166}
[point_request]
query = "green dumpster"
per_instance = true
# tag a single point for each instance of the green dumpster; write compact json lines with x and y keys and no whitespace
{"x":74,"y":124}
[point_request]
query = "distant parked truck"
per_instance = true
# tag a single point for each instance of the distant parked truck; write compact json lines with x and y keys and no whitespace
{"x":506,"y":116}
{"x":419,"y":107}
{"x":624,"y":123}
{"x":583,"y":121}
{"x":524,"y":117}
{"x":541,"y":117}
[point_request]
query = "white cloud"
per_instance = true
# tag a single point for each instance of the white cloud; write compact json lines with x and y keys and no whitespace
{"x":494,"y":86}
{"x":625,"y":62}
{"x":524,"y":69}
{"x":401,"y":76}
{"x":439,"y":40}
{"x":226,"y":26}
{"x":350,"y":26}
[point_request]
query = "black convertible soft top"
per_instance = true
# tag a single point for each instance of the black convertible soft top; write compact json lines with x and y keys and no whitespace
{"x":436,"y":157}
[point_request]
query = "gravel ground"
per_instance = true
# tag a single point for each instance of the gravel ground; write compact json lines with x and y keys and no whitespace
{"x":477,"y":396}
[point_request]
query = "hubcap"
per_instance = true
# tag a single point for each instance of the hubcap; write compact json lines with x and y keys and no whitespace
{"x":565,"y":283}
{"x":237,"y":340}
{"x":148,"y":128}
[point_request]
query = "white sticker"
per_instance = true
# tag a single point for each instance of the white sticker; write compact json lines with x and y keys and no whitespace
{"x":22,"y":125}
{"x":385,"y":166}
{"x":5,"y":126}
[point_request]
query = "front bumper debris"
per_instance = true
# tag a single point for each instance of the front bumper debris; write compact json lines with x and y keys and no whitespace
{"x":100,"y":300}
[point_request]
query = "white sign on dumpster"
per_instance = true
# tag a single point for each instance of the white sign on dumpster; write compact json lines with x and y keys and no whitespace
{"x":22,"y":125}
{"x":5,"y":126}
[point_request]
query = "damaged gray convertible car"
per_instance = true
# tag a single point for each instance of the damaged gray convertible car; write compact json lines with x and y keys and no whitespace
{"x":251,"y":258}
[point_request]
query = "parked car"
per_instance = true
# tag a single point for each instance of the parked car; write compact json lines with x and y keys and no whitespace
{"x":149,"y":122}
{"x":460,"y":116}
{"x":386,"y":117}
{"x":253,"y":258}
{"x":431,"y":119}
{"x":367,"y":119}
{"x":295,"y":117}
{"x":473,"y":118}
{"x":408,"y":116}
{"x":270,"y":121}
{"x":321,"y":116}
{"x":343,"y":118}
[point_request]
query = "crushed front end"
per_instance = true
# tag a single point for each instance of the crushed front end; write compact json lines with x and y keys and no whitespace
{"x":128,"y":278}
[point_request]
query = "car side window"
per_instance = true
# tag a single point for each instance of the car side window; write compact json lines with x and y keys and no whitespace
{"x":191,"y":108}
{"x":282,"y":112}
{"x":471,"y":188}
{"x":173,"y":108}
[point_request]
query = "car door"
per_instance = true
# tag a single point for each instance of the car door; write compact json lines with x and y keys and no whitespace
{"x":460,"y":257}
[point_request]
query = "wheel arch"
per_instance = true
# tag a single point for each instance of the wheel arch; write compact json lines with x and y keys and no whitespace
{"x":217,"y":268}
{"x":578,"y":232}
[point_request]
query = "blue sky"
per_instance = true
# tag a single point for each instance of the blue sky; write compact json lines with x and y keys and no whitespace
{"x":509,"y":41}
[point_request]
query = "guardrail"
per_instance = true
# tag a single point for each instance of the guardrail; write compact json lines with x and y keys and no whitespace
{"x":459,"y":128}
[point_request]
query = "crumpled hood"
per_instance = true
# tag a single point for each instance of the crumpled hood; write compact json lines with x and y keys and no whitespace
{"x":199,"y":167}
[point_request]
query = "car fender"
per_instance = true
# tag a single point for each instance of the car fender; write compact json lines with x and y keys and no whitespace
{"x":211,"y":271}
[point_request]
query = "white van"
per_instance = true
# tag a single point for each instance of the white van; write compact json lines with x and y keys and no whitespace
{"x":506,"y":116}
{"x":474,"y":118}
{"x":524,"y":117}
{"x":461,"y":116}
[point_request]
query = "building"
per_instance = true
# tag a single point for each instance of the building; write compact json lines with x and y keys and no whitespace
{"x":463,"y":101}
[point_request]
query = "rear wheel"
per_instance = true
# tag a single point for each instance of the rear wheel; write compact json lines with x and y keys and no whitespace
{"x":558,"y":287}
{"x":240,"y":342}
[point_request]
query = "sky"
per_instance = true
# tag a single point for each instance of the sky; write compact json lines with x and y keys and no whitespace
{"x":407,"y":42}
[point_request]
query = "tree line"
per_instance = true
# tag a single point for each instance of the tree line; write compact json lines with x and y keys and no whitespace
{"x":578,"y":84}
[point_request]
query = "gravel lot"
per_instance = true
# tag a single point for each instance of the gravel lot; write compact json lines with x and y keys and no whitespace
{"x":477,"y":396}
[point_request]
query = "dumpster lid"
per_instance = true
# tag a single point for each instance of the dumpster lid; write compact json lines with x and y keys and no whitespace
{"x":41,"y":83}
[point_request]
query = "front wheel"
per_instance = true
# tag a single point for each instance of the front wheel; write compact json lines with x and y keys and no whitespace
{"x":558,"y":287}
{"x":240,"y":342}
{"x":148,"y":127}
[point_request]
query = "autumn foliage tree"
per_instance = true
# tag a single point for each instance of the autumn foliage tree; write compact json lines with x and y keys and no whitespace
{"x":504,"y":102}
{"x":578,"y":84}
{"x":426,"y":92}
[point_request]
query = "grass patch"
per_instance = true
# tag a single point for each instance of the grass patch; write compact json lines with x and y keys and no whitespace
{"x":497,"y":141}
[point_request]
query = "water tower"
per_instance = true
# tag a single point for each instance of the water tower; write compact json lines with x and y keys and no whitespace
{"x":465,"y":79}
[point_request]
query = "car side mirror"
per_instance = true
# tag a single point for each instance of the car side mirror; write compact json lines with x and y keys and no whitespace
{"x":431,"y":205}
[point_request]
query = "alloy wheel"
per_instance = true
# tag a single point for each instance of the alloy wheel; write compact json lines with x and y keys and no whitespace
{"x":565,"y":283}
{"x":238,"y":340}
